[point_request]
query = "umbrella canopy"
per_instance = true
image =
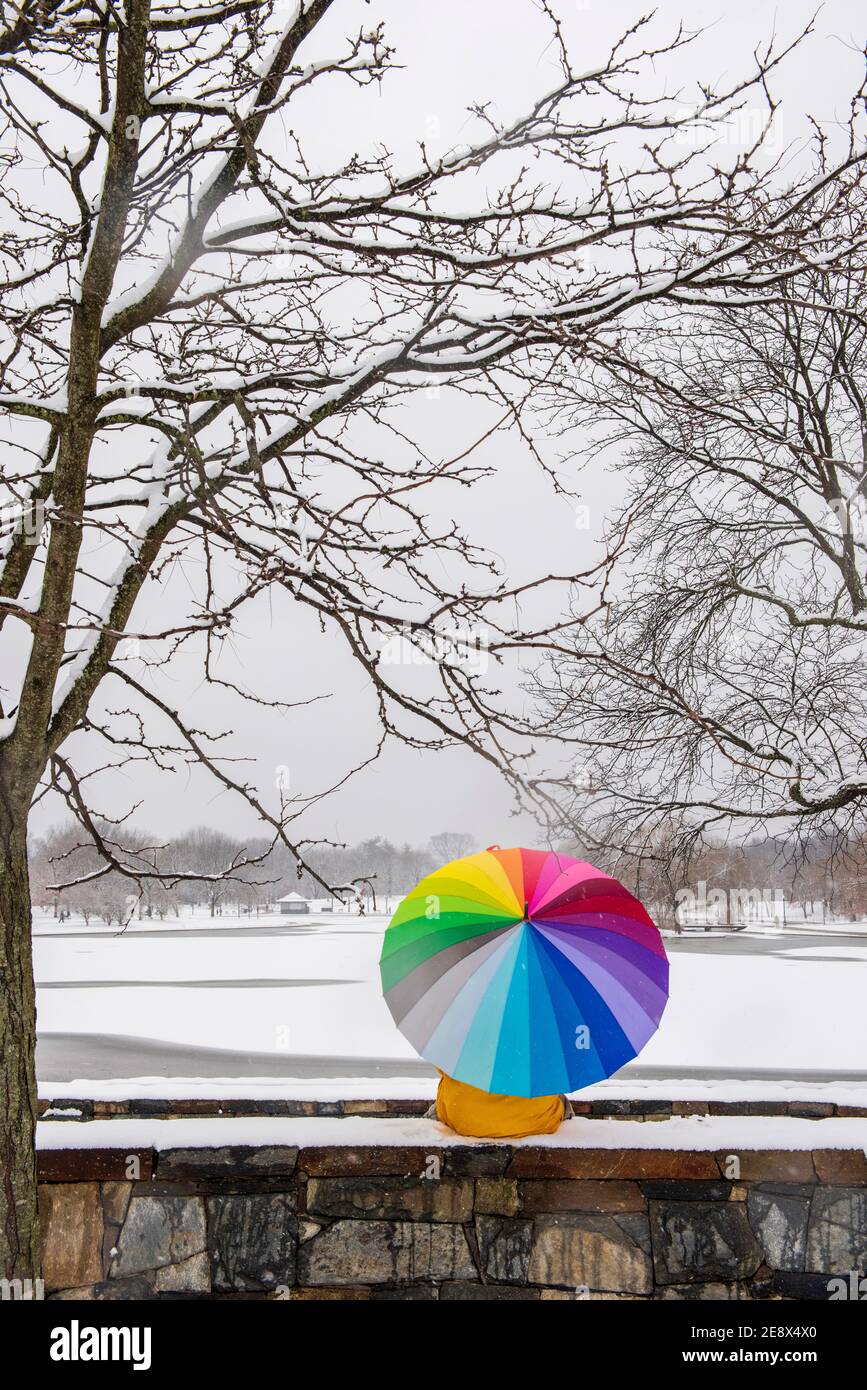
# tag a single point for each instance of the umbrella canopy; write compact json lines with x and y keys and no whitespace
{"x":523,"y":972}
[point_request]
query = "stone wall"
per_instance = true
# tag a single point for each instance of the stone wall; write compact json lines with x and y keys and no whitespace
{"x":463,"y":1222}
{"x":395,"y":1109}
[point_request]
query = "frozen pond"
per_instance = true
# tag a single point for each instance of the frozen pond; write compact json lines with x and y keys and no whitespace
{"x":266,"y":1006}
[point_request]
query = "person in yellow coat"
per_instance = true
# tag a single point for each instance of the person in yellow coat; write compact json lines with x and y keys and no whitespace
{"x":467,"y":1110}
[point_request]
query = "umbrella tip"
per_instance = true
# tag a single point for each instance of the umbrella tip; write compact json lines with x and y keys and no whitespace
{"x":526,"y":911}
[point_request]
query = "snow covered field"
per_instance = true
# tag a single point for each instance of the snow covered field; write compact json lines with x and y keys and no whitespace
{"x":274,"y":1007}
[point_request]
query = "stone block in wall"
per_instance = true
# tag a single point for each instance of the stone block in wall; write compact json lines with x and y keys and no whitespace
{"x":846,"y":1167}
{"x":761,"y":1107}
{"x":71,"y":1222}
{"x":771,"y":1165}
{"x":135,"y":1290}
{"x":837,"y":1230}
{"x":387,"y":1161}
{"x":209,"y":1106}
{"x":187,"y":1276}
{"x":702,"y":1241}
{"x":692,"y":1293}
{"x":115,"y":1201}
{"x":252,"y":1241}
{"x":778,"y":1214}
{"x":592,"y":1251}
{"x":781,"y":1283}
{"x":611,"y":1163}
{"x":159,"y":1231}
{"x":497,"y":1196}
{"x":238,"y":1161}
{"x":392,"y":1198}
{"x":115,"y":1198}
{"x":651,"y":1109}
{"x":591,"y":1296}
{"x":93,"y":1165}
{"x":365,"y":1293}
{"x":487,"y":1293}
{"x":357,"y":1293}
{"x":66,"y":1110}
{"x":552,"y":1195}
{"x":635,"y":1225}
{"x":288,"y":1109}
{"x":477,"y":1160}
{"x":504,"y":1248}
{"x":612,"y":1109}
{"x":688,"y":1190}
{"x":386,"y":1252}
{"x":410,"y":1293}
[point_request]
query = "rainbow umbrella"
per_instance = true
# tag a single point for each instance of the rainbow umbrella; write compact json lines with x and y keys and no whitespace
{"x":524,"y":973}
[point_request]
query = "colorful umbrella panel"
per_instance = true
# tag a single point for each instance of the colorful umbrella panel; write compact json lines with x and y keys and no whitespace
{"x":523,"y":972}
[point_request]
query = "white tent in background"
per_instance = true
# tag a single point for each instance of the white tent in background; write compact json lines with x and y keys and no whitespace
{"x":293,"y":903}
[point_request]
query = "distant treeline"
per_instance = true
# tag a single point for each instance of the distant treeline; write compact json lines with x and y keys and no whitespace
{"x":210,"y":870}
{"x":207,"y":868}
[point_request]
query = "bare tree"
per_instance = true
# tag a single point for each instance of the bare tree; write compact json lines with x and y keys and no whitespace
{"x":217,"y":860}
{"x":726,"y":685}
{"x":451,"y":844}
{"x":207,"y":339}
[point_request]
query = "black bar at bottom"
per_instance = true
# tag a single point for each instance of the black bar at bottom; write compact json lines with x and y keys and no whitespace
{"x":250,"y":1336}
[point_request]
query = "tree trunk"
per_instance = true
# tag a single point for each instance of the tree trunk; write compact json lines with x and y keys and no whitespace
{"x":19,"y":1219}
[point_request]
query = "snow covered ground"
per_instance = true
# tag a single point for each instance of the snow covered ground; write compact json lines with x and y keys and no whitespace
{"x":274,"y":1007}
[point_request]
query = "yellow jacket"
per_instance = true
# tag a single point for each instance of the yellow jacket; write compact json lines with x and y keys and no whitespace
{"x":468,"y":1110}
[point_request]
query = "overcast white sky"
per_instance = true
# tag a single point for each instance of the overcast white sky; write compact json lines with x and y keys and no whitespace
{"x":455,"y":53}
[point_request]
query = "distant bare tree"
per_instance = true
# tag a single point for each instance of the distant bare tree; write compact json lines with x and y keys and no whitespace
{"x":451,"y":844}
{"x":207,"y":338}
{"x":69,"y":870}
{"x":217,"y":860}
